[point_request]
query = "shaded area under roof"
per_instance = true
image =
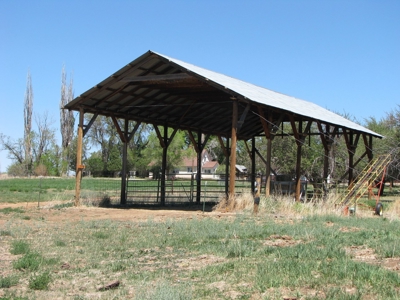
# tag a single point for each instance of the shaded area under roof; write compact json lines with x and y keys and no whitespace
{"x":161,"y":90}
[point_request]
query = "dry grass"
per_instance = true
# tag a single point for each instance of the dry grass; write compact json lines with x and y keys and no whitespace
{"x":393,"y":210}
{"x":284,"y":205}
{"x":243,"y":202}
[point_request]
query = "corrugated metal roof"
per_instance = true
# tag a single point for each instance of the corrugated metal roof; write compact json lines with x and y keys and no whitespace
{"x":271,"y":98}
{"x":158,"y":89}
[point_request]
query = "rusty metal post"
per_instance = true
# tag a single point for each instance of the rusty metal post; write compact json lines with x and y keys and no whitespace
{"x":79,"y":166}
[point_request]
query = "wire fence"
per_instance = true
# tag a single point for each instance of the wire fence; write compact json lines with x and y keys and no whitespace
{"x":182,"y":190}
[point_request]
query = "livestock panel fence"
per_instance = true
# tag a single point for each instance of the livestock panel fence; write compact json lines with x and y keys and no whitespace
{"x":181,"y":189}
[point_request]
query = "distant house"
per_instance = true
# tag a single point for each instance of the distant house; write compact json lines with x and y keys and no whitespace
{"x":241,"y":171}
{"x":189,"y":166}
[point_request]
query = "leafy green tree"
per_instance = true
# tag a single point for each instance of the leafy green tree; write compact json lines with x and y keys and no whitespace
{"x":175,"y":154}
{"x":114,"y":163}
{"x":389,"y":127}
{"x":51,"y":159}
{"x":94,"y":164}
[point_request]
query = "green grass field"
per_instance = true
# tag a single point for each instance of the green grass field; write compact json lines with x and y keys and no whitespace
{"x":49,"y":189}
{"x":288,"y":251}
{"x":244,"y":257}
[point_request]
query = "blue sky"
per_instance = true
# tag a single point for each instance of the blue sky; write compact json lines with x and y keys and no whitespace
{"x":341,"y":55}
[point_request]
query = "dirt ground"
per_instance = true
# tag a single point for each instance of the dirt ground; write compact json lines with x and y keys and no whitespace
{"x":47,"y":211}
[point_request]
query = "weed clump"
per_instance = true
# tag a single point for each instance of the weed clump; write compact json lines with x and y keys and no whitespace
{"x":19,"y":247}
{"x":238,"y":203}
{"x":30,"y":261}
{"x":40,"y":281}
{"x":8,"y":281}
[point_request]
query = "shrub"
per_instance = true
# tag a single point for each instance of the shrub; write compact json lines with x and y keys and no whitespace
{"x":30,"y":261}
{"x":19,"y":247}
{"x":5,"y":233}
{"x":105,"y":202}
{"x":8,"y":210}
{"x":40,"y":282}
{"x":41,"y":170}
{"x":6,"y":282}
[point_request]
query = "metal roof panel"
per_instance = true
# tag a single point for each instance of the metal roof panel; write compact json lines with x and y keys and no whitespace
{"x":268,"y":97}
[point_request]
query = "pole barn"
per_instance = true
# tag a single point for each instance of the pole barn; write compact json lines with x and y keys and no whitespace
{"x":166,"y":92}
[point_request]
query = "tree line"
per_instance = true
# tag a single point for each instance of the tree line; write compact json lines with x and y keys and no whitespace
{"x":39,"y":154}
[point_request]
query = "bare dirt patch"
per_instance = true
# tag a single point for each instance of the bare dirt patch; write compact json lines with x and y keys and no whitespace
{"x":47,"y":212}
{"x":281,"y":241}
{"x":367,"y":255}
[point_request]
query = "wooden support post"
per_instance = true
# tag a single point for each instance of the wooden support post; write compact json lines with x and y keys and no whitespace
{"x":227,"y":155}
{"x":298,"y":134}
{"x":164,"y":142}
{"x":268,"y":168}
{"x":351,"y":151}
{"x":298,"y":174}
{"x":225,"y":149}
{"x":326,"y":143}
{"x":198,"y":175}
{"x":164,"y":164}
{"x":232,"y":176}
{"x":269,"y":131}
{"x":253,"y":163}
{"x":257,"y":192}
{"x":124,"y":163}
{"x":79,"y":166}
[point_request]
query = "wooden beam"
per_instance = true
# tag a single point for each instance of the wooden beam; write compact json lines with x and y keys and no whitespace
{"x":268,"y":168}
{"x":193,"y":140}
{"x":368,"y":149}
{"x":160,"y":137}
{"x":252,"y":154}
{"x":130,"y":135}
{"x":124,"y":161}
{"x":264,"y":123}
{"x":169,"y":140}
{"x":224,"y":149}
{"x":249,"y":152}
{"x":322,"y":135}
{"x":294,"y":128}
{"x":158,"y":78}
{"x":127,"y":138}
{"x":199,"y":159}
{"x":264,"y":160}
{"x":121,"y":134}
{"x":232,"y":177}
{"x":299,"y":143}
{"x":113,"y":80}
{"x":87,"y":127}
{"x":79,"y":166}
{"x":243,"y":117}
{"x":227,"y":167}
{"x":164,"y":164}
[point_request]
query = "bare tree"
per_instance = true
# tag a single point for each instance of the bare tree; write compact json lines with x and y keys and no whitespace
{"x":28,"y":108}
{"x":15,"y":148}
{"x":67,"y":119}
{"x":44,"y":136}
